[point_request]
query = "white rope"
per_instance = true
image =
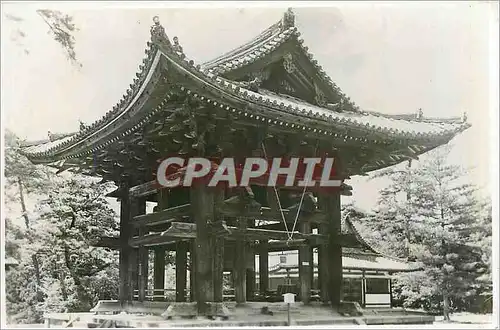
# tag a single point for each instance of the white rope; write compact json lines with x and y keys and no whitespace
{"x":278,"y":199}
{"x":300,"y":206}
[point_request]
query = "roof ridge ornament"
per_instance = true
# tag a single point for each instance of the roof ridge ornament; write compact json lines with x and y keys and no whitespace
{"x":158,"y":34}
{"x":288,"y":19}
{"x":464,"y":117}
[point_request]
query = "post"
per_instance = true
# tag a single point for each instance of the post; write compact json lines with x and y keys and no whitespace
{"x":125,"y":232}
{"x":218,"y":269}
{"x":250,"y":272}
{"x":331,"y":206}
{"x":239,"y":269}
{"x":289,"y":316}
{"x":133,"y":271}
{"x":305,"y":266}
{"x":218,"y":250}
{"x":160,"y":253}
{"x":159,"y":273}
{"x":202,"y":203}
{"x":390,"y":292}
{"x":263,"y":267}
{"x":192,"y":272}
{"x":142,"y":253}
{"x":363,"y":289}
{"x":323,"y":266}
{"x":180,"y":271}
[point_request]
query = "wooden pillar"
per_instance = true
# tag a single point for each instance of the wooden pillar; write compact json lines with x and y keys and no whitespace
{"x":323,"y":266}
{"x":218,"y":248}
{"x":159,"y":273}
{"x":159,"y":254}
{"x":250,"y":271}
{"x":311,"y":257}
{"x":331,"y":206}
{"x":263,"y":266}
{"x":125,"y":250}
{"x":390,"y":292}
{"x":143,"y":253}
{"x":239,"y":269}
{"x":180,"y":271}
{"x":218,"y":269}
{"x":133,"y":273}
{"x":305,"y":266}
{"x":134,"y":258}
{"x":192,"y":272}
{"x":202,"y":203}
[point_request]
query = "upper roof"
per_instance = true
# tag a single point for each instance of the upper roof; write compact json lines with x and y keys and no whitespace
{"x":206,"y":83}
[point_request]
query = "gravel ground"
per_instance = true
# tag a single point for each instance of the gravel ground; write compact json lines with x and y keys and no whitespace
{"x":467,"y":318}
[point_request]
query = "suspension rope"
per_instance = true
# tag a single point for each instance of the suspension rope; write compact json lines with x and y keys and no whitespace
{"x":278,"y":199}
{"x":300,"y":206}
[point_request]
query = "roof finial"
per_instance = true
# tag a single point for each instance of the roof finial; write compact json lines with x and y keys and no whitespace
{"x":464,"y":117}
{"x":288,"y":19}
{"x":157,"y":30}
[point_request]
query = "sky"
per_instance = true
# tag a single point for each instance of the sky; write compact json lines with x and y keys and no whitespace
{"x":388,"y":57}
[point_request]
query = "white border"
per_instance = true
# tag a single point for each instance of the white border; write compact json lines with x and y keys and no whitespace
{"x":494,"y":129}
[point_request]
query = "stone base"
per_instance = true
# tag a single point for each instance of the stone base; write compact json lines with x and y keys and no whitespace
{"x":131,"y":307}
{"x":179,"y":310}
{"x":350,"y":308}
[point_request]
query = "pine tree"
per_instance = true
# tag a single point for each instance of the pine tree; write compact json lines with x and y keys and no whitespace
{"x":58,"y":268}
{"x":429,"y":213}
{"x":75,"y":215}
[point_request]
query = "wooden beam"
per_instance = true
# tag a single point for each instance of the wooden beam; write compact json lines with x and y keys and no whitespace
{"x":154,"y":239}
{"x":267,"y":214}
{"x":184,"y":231}
{"x":107,"y":242}
{"x":144,"y":189}
{"x":165,"y":216}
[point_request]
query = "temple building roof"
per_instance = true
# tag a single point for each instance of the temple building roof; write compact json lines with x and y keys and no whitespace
{"x":351,"y":260}
{"x":236,"y":86}
{"x":359,"y":256}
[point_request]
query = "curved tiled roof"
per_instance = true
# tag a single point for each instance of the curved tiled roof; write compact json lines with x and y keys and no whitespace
{"x":264,"y":106}
{"x":265,"y":44}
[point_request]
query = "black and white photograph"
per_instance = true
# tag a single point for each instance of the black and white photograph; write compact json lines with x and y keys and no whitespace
{"x":249,"y":164}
